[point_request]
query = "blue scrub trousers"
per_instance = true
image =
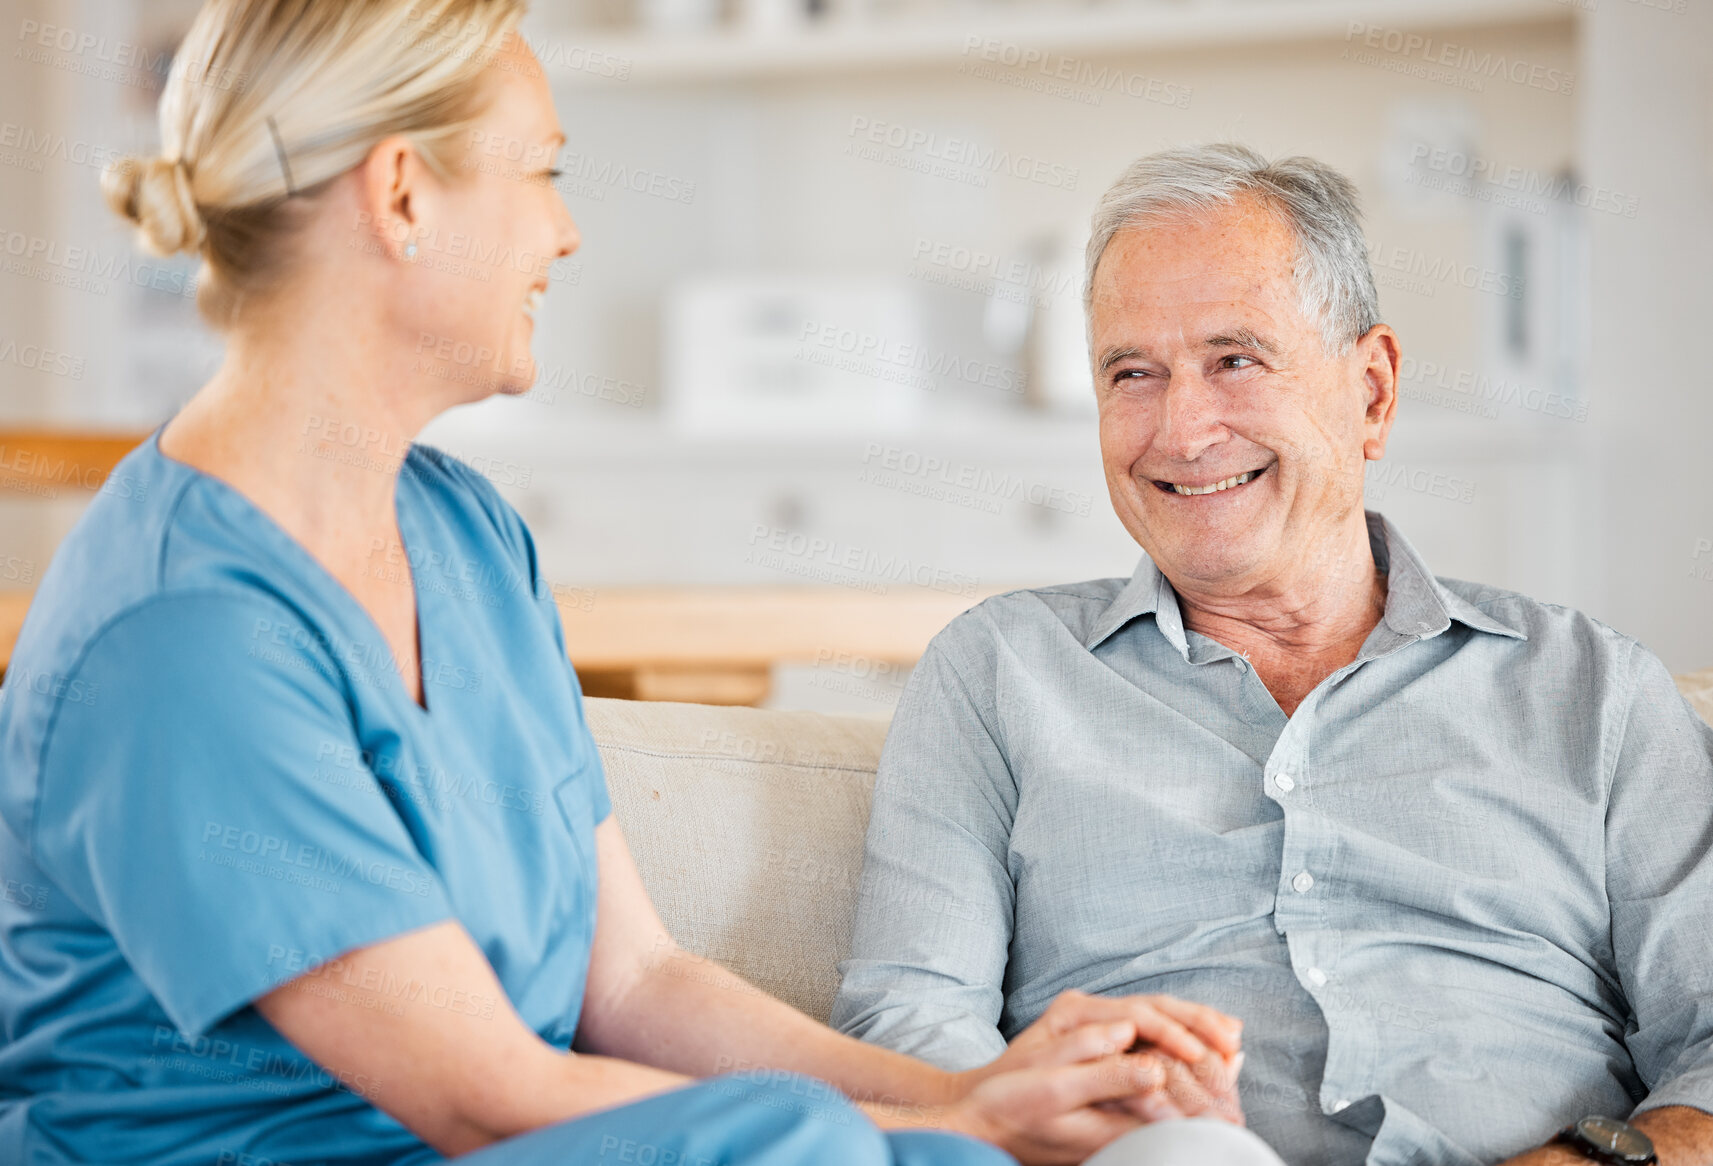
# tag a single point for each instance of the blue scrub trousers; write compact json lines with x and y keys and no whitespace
{"x":741,"y":1119}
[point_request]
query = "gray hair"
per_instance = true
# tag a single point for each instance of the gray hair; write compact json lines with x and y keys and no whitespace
{"x":1334,"y":282}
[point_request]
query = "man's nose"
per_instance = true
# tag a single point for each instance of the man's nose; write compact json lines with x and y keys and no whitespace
{"x":1189,"y":418}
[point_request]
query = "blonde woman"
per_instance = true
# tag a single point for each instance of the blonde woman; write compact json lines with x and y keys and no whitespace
{"x":321,"y":859}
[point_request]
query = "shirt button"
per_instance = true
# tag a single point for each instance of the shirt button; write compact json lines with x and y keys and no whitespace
{"x":1285,"y":782}
{"x":1339,"y":1105}
{"x":1317,"y":977}
{"x":1302,"y":882}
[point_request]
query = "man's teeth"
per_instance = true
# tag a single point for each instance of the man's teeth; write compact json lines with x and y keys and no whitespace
{"x":1217,"y":486}
{"x":532,"y":301}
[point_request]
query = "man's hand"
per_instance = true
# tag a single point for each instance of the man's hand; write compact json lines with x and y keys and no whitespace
{"x":1205,"y":1089}
{"x":1187,"y":1032}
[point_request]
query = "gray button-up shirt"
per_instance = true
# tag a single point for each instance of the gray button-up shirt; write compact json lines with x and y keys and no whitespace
{"x":1462,"y":897}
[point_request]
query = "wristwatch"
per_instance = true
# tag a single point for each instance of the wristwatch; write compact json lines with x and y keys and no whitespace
{"x":1606,"y":1139}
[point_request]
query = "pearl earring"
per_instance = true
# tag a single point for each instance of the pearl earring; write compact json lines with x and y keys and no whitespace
{"x":410,"y":250}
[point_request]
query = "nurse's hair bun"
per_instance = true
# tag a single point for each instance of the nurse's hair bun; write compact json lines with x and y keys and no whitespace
{"x":155,"y":194}
{"x":268,"y":101}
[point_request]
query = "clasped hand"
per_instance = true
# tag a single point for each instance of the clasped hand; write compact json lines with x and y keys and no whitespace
{"x":1094,"y":1067}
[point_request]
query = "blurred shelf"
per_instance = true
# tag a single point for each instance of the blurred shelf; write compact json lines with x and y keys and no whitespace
{"x":13,"y":607}
{"x":502,"y":428}
{"x":718,"y":645}
{"x":855,"y":47}
{"x":710,"y":645}
{"x":629,"y":627}
{"x":37,"y":461}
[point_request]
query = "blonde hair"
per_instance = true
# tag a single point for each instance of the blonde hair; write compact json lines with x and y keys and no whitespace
{"x":269,"y":100}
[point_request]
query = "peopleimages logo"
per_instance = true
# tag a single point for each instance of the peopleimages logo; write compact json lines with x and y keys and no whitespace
{"x":1421,"y":272}
{"x":1382,"y":476}
{"x":866,"y":352}
{"x":1059,"y":75}
{"x":255,"y":1065}
{"x":990,"y":274}
{"x":589,"y":177}
{"x":108,"y":50}
{"x":40,"y":359}
{"x":1429,"y":50}
{"x":831,"y":561}
{"x":44,"y":144}
{"x":969,"y":159}
{"x":37,"y":473}
{"x":1701,"y":560}
{"x":52,"y":684}
{"x":1434,"y":168}
{"x":1489,"y":392}
{"x":963,"y":483}
{"x":84,"y":269}
{"x":224,"y":843}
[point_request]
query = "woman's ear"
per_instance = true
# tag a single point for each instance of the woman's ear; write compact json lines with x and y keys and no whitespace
{"x":393,"y":192}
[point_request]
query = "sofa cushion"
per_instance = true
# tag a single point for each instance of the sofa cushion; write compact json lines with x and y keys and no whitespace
{"x":747,"y":826}
{"x":1697,"y":688}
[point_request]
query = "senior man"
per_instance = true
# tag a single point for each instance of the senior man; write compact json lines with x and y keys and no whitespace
{"x":1444,"y":848}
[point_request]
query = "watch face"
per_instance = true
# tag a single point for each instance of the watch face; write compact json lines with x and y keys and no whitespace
{"x":1619,"y":1139}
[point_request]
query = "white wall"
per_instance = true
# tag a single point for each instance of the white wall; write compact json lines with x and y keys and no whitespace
{"x":1606,"y":514}
{"x":1647,"y":126}
{"x":779,"y":189}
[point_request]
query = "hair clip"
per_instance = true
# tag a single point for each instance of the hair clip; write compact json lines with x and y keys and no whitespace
{"x":279,"y":150}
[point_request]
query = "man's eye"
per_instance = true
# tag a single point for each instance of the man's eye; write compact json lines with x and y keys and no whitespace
{"x":1228,"y":361}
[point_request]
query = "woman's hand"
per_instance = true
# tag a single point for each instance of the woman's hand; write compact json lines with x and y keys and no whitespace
{"x":1098,"y":1025}
{"x":1052,"y":1114}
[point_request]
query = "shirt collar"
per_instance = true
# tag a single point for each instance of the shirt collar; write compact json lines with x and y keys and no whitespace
{"x":1417,"y":604}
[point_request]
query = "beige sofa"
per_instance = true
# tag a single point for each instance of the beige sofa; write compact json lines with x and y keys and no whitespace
{"x":748,"y":828}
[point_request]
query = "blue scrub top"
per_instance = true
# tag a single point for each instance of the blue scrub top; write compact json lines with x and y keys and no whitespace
{"x":213,"y":781}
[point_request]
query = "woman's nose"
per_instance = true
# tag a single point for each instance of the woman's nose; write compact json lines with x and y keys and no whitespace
{"x":569,"y":237}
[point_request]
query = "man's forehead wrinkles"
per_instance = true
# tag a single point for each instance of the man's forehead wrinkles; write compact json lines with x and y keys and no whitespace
{"x":1221,"y":334}
{"x":1147,"y":296}
{"x":1244,"y":279}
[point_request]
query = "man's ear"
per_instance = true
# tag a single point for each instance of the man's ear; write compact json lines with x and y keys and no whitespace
{"x":1380,"y":358}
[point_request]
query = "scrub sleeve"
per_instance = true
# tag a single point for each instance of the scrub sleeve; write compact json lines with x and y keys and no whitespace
{"x":183,"y":813}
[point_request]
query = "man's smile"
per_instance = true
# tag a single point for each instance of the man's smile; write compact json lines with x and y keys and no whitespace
{"x":1220,"y":486}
